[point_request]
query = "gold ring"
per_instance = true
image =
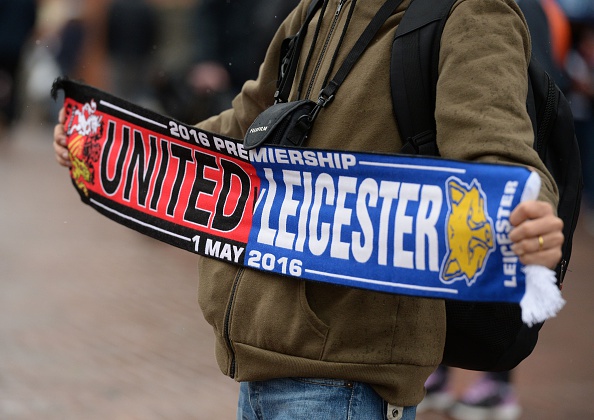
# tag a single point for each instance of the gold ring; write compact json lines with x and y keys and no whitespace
{"x":540,"y":243}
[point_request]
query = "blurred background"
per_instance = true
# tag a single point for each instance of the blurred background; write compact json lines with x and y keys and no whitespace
{"x":99,"y":322}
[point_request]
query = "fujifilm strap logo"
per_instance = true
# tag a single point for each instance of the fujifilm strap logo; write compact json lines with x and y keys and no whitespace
{"x":259,"y":129}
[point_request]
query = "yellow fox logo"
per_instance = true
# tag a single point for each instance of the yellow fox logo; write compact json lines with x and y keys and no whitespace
{"x":469,"y":233}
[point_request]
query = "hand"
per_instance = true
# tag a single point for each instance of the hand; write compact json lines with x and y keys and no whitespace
{"x":537,"y":235}
{"x":60,"y":149}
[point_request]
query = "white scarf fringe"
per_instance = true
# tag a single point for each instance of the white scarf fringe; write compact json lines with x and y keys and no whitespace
{"x":542,"y":299}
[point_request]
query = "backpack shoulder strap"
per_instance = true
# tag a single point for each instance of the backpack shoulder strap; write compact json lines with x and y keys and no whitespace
{"x":413,"y":73}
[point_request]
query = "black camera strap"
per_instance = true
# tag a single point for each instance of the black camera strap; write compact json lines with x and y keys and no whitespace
{"x":288,"y":123}
{"x":328,"y":93}
{"x":290,"y":55}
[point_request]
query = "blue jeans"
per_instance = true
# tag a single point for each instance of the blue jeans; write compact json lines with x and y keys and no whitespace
{"x":314,"y":399}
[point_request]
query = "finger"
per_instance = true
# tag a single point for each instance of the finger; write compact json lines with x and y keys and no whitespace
{"x":533,"y":228}
{"x":61,"y":154}
{"x":538,"y":243}
{"x":548,"y":258}
{"x":59,"y":135}
{"x":62,"y":116}
{"x":530,"y":210}
{"x":63,"y":162}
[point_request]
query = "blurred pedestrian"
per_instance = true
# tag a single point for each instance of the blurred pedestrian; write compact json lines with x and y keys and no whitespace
{"x":551,"y":36}
{"x":560,"y":27}
{"x":61,"y":34}
{"x":17,"y":20}
{"x":580,"y":68}
{"x":132,"y":33}
{"x":230,"y":39}
{"x":491,"y":396}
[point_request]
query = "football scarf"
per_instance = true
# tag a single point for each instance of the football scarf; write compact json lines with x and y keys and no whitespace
{"x":399,"y":224}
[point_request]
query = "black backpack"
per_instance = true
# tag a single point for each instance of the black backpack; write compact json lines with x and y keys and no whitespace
{"x":483,"y":336}
{"x":414,"y":61}
{"x":480,"y":335}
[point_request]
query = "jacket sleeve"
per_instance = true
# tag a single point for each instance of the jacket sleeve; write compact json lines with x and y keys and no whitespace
{"x":257,"y":95}
{"x":482,"y":88}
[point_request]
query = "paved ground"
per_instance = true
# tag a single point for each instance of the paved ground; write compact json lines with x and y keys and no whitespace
{"x":100,"y":323}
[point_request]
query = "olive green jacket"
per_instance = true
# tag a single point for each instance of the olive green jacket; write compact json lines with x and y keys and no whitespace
{"x":269,"y":326}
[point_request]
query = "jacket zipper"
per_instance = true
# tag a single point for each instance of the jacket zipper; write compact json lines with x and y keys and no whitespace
{"x":227,"y":323}
{"x":341,"y":3}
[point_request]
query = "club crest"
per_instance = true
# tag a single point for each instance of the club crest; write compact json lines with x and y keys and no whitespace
{"x":469,"y":233}
{"x":84,"y":129}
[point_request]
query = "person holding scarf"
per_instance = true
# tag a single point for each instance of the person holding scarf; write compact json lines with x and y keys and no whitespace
{"x":309,"y":350}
